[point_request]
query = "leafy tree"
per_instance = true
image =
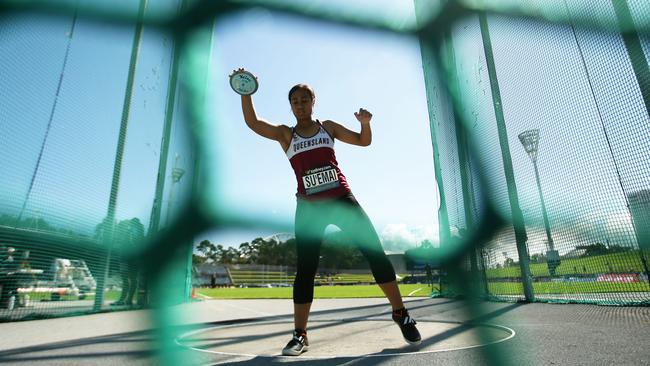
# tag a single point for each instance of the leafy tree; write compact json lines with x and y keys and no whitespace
{"x":260,"y":251}
{"x":538,"y":258}
{"x":338,"y":252}
{"x":287,"y":250}
{"x":617,"y":248}
{"x":227,"y":255}
{"x":595,"y":249}
{"x":198,"y":259}
{"x":423,"y":253}
{"x":247,"y":255}
{"x":269,"y":252}
{"x":206,"y":248}
{"x":426,"y":244}
{"x":36,"y":223}
{"x":129,"y":232}
{"x":209,"y":251}
{"x":102,"y":229}
{"x":600,"y":249}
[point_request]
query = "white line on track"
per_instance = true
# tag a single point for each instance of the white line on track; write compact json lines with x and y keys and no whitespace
{"x":180,"y":338}
{"x":414,"y":291}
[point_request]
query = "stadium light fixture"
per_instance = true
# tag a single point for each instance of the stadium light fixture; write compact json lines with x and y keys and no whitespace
{"x":530,"y":141}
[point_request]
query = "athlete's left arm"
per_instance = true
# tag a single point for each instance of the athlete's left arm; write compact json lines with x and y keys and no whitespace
{"x":340,"y":132}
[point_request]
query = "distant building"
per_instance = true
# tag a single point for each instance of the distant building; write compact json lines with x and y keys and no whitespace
{"x":211,"y":274}
{"x":639,"y":202}
{"x":575,"y":253}
{"x":398,"y":260}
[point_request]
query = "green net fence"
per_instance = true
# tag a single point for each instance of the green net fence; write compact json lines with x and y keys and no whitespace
{"x":98,"y":159}
{"x":539,"y":122}
{"x":551,"y":118}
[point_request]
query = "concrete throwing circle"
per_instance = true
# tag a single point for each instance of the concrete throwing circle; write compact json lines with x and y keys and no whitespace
{"x":342,"y":338}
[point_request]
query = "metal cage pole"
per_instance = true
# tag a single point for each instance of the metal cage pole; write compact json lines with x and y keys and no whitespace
{"x":443,"y":217}
{"x":119,"y":154}
{"x":517,"y":216}
{"x":634,"y":49}
{"x":642,"y":74}
{"x":154,"y":222}
{"x":464,"y":169}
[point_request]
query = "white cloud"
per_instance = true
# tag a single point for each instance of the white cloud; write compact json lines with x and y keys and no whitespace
{"x":400,"y":237}
{"x":619,"y":222}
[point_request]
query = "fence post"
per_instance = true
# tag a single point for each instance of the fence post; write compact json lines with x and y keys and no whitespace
{"x":642,"y":74}
{"x":517,"y":216}
{"x":429,"y":68}
{"x":464,"y":169}
{"x":634,"y":49}
{"x":117,"y":166}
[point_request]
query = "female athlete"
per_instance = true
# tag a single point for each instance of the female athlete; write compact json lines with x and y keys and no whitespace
{"x":323,"y":198}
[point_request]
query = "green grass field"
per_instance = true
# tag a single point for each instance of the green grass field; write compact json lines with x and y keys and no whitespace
{"x":46,"y":296}
{"x":320,"y":292}
{"x":516,"y":288}
{"x":616,"y":262}
{"x":248,"y":277}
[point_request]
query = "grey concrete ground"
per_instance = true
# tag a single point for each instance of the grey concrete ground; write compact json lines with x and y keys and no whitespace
{"x":545,"y":334}
{"x":49,"y":308}
{"x":600,"y":297}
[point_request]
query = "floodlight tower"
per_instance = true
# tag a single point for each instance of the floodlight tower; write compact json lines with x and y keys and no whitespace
{"x":530,"y":140}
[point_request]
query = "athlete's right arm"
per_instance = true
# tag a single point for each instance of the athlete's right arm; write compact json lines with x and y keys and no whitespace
{"x":279,"y":133}
{"x":259,"y":125}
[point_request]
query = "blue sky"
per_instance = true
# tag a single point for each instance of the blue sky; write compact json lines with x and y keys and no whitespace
{"x":543,"y":84}
{"x":349,"y":69}
{"x":393,"y":178}
{"x":73,"y":182}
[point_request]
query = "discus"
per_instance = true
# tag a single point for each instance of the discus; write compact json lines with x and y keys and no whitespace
{"x":243,"y":82}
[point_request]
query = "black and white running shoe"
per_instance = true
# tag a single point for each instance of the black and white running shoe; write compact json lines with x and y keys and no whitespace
{"x":407,"y":326}
{"x":297,"y":345}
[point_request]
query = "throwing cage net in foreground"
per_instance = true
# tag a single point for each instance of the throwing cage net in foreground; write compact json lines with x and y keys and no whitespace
{"x":538,"y":115}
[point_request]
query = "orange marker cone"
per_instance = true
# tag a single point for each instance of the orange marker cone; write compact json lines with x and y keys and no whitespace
{"x":193,"y":293}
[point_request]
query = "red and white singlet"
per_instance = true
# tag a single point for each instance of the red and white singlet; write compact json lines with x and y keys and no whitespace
{"x":314,"y":162}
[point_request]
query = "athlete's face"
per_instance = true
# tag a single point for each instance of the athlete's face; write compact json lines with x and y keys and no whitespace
{"x":302,"y":104}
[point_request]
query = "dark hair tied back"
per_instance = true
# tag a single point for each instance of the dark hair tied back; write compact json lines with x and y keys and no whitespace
{"x":302,"y":86}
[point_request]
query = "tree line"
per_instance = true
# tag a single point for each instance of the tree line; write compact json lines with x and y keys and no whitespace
{"x":336,"y":253}
{"x":36,"y":224}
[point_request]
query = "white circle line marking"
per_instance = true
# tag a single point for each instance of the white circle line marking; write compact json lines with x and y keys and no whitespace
{"x":185,"y":335}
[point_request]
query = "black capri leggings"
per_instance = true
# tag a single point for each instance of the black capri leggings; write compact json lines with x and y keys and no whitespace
{"x":312,"y":217}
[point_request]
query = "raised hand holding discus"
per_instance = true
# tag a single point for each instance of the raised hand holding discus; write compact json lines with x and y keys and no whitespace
{"x":243,"y":82}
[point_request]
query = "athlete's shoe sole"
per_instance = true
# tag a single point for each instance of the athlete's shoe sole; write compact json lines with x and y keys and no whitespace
{"x":290,"y":352}
{"x":411,"y":342}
